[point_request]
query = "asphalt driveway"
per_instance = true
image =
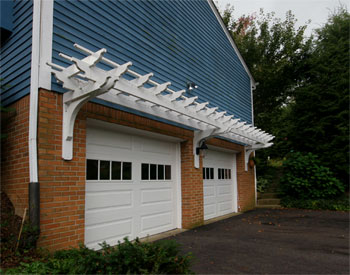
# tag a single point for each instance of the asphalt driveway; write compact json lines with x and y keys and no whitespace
{"x":271,"y":241}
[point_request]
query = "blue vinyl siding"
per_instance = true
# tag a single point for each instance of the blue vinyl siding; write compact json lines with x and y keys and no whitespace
{"x":179,"y":41}
{"x":16,"y":55}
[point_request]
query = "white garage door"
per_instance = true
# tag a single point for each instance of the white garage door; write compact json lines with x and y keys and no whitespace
{"x":130,"y":186}
{"x":219,"y":183}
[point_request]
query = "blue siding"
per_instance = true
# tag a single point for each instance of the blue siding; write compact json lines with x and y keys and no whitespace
{"x":16,"y":55}
{"x":179,"y":41}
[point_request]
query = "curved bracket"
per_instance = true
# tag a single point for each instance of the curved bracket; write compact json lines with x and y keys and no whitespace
{"x":71,"y":107}
{"x":199,"y":137}
{"x":85,"y":81}
{"x":246,"y":157}
{"x":249,"y":149}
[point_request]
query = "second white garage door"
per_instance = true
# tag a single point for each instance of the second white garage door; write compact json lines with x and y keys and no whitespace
{"x":131,"y":186}
{"x":219,"y":183}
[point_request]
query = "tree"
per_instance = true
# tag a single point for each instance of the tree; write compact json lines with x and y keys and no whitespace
{"x":303,"y":95}
{"x":319,"y":118}
{"x":276,"y":53}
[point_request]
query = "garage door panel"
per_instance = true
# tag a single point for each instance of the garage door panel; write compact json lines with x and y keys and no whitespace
{"x":159,"y":147}
{"x":116,"y":186}
{"x":155,"y":208}
{"x":109,"y":199}
{"x":109,"y":139}
{"x":135,"y":208}
{"x":224,"y":189}
{"x":209,"y":191}
{"x":156,"y":221}
{"x":210,"y":210}
{"x":109,"y":232}
{"x":156,"y":196}
{"x":225,"y":206}
{"x":218,"y":193}
{"x":101,"y":215}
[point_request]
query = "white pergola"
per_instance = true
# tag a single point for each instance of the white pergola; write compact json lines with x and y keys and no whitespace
{"x":85,"y":81}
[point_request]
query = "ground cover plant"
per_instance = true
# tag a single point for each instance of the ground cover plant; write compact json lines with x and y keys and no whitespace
{"x":162,"y":257}
{"x":14,"y":249}
{"x":338,"y":204}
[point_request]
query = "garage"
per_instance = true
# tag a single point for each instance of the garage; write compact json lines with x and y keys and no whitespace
{"x":219,"y":183}
{"x":132,"y":187}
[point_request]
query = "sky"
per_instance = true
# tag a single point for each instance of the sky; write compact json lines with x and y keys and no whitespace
{"x":315,"y":10}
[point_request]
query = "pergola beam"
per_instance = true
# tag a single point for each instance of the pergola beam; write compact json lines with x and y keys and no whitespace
{"x":86,"y":81}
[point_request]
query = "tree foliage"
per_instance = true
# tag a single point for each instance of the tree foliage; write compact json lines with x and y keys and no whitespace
{"x":319,"y":118}
{"x":305,"y":178}
{"x":303,"y":92}
{"x":275,"y":51}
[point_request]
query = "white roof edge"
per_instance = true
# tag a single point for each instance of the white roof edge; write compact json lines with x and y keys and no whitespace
{"x":218,"y":16}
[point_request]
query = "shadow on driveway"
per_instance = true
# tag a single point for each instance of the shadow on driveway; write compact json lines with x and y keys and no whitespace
{"x":271,"y":241}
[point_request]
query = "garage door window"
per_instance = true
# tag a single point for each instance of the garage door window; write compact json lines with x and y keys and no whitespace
{"x":92,"y":169}
{"x":208,"y":173}
{"x":224,"y":174}
{"x":155,"y":171}
{"x":108,"y":170}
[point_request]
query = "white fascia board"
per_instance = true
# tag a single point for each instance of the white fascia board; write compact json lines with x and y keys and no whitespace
{"x":46,"y":30}
{"x":218,"y":16}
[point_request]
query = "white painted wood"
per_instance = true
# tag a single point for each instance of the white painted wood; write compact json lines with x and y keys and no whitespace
{"x":46,"y":26}
{"x":178,"y":185}
{"x":220,"y":196}
{"x":133,"y":208}
{"x":34,"y":90}
{"x":86,"y":81}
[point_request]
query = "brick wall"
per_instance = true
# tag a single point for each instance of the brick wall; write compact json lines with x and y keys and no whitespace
{"x":245,"y":179}
{"x":14,"y":154}
{"x":191,"y":188}
{"x":62,"y":183}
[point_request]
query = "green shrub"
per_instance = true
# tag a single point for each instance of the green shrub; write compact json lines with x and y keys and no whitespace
{"x":161,"y":257}
{"x":341,"y":204}
{"x":262,"y":184}
{"x":304,"y":177}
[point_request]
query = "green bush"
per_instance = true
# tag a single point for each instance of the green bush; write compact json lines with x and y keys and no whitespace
{"x":341,"y":204}
{"x":161,"y":257}
{"x":262,"y":184}
{"x":304,"y":177}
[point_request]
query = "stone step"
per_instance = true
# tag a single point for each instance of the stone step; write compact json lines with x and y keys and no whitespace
{"x":269,"y":195}
{"x":269,"y":201}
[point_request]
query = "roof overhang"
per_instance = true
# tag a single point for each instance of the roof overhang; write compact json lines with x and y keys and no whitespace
{"x":85,"y":81}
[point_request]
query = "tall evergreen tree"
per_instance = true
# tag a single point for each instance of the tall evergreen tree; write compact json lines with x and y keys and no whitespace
{"x":320,"y":115}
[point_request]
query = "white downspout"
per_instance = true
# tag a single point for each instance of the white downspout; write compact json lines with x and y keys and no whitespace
{"x":34,"y":87}
{"x":34,"y":189}
{"x":252,"y":88}
{"x":40,"y":77}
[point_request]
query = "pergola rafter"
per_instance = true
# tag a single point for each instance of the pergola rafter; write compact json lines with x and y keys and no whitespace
{"x":86,"y":81}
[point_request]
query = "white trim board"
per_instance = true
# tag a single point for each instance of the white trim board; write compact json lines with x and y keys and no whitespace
{"x":46,"y":29}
